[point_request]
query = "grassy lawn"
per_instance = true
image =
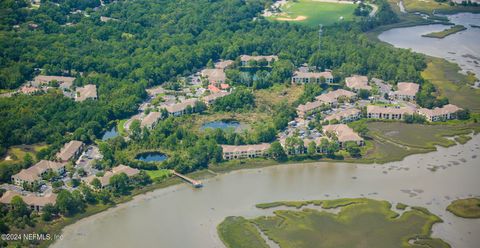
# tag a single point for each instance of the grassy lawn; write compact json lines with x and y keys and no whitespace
{"x":121,"y":127}
{"x":428,"y":6}
{"x":313,"y":13}
{"x":444,"y":33}
{"x":452,"y":84}
{"x":466,"y":208}
{"x":158,"y":174}
{"x":360,"y":223}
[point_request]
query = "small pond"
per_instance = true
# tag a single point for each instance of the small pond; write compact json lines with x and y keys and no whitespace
{"x":151,"y":157}
{"x":112,"y":133}
{"x":224,"y":125}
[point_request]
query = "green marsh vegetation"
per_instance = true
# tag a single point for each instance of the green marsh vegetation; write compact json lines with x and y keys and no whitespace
{"x":465,"y":208}
{"x":360,"y":223}
{"x":446,"y":32}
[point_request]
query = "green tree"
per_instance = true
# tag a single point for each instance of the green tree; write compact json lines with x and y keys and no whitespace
{"x":19,"y":207}
{"x":49,"y":211}
{"x":96,"y":183}
{"x":119,"y":183}
{"x":277,"y":152}
{"x":312,"y":148}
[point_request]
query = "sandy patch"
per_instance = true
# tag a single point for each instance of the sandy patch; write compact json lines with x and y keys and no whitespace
{"x":8,"y":158}
{"x":298,"y":18}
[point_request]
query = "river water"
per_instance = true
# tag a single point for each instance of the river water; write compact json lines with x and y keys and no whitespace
{"x":181,"y":216}
{"x":462,"y":48}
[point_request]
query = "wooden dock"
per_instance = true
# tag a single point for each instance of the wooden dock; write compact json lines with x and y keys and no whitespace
{"x":195,"y":183}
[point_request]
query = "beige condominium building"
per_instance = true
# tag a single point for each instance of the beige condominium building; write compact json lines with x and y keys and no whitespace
{"x":35,"y":172}
{"x":344,"y":134}
{"x":70,"y":151}
{"x":357,"y":82}
{"x":88,"y":91}
{"x":406,"y":91}
{"x":446,"y":112}
{"x":388,"y":113}
{"x":345,"y":115}
{"x":331,"y":98}
{"x":300,"y":77}
{"x":179,"y":109}
{"x":105,"y":179}
{"x":36,"y":203}
{"x":210,"y":99}
{"x":245,"y":151}
{"x":151,"y":120}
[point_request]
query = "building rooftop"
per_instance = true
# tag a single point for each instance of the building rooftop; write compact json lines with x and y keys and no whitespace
{"x":343,"y":114}
{"x":41,"y":79}
{"x":214,"y":75}
{"x":303,"y":74}
{"x":389,"y":110}
{"x":33,"y":173}
{"x":29,"y":199}
{"x":268,"y":58}
{"x":408,"y":89}
{"x":222,"y":64}
{"x":309,"y":106}
{"x":68,"y":150}
{"x":357,"y":82}
{"x":333,"y":96}
{"x":150,"y":119}
{"x":105,"y":179}
{"x":246,"y":148}
{"x":85,"y":92}
{"x":344,"y":133}
{"x":215,"y":96}
{"x":447,"y":109}
{"x":181,"y":106}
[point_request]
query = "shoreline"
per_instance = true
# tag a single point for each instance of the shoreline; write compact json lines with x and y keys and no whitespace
{"x":209,"y":173}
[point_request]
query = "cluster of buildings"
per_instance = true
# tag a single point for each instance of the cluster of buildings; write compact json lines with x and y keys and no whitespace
{"x":105,"y":179}
{"x":44,"y":83}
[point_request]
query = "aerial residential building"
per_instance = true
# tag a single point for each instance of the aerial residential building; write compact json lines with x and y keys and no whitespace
{"x":36,"y":203}
{"x":406,"y":91}
{"x":70,"y":151}
{"x":223,"y":64}
{"x":303,"y":149}
{"x":308,"y":108}
{"x":389,"y":113}
{"x":331,"y":98}
{"x":357,"y":82}
{"x":344,"y":116}
{"x":151,"y":120}
{"x":214,"y":76}
{"x":344,"y":134}
{"x":301,"y":77}
{"x":446,"y":112}
{"x":214,"y":96}
{"x":64,"y":82}
{"x":179,"y":109}
{"x":245,"y":151}
{"x":105,"y":179}
{"x":35,"y":172}
{"x":88,"y":91}
{"x":28,"y":89}
{"x":245,"y":59}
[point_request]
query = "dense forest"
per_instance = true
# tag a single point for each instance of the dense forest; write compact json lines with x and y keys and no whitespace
{"x":151,"y":42}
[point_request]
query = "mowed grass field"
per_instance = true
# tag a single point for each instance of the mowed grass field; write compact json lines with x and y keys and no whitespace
{"x":360,"y":223}
{"x":452,"y":84}
{"x":314,"y":13}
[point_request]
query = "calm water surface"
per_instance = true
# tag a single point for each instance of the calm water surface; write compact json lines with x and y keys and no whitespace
{"x":181,"y":216}
{"x":224,"y":125}
{"x":112,"y":133}
{"x":462,"y":48}
{"x":151,"y":157}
